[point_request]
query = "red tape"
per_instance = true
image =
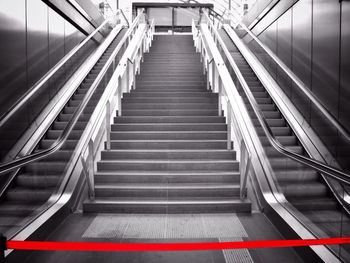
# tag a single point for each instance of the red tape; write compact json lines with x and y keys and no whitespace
{"x":93,"y":246}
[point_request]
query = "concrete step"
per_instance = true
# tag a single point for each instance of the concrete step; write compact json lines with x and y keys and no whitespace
{"x":168,"y":165}
{"x":165,"y":112}
{"x":141,"y":94}
{"x":168,"y":154}
{"x":169,"y":127}
{"x":112,"y":177}
{"x":173,"y":99}
{"x":177,"y":135}
{"x":169,"y":144}
{"x":169,"y":106}
{"x":167,"y":190}
{"x":202,"y":205}
{"x":169,"y":119}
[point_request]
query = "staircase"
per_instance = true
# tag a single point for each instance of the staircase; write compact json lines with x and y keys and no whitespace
{"x":302,"y":186}
{"x":168,"y":148}
{"x":36,"y":182}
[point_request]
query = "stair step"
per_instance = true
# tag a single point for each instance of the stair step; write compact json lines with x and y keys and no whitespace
{"x":290,"y":140}
{"x":172,"y":99}
{"x":169,"y":119}
{"x":168,"y":165}
{"x":68,"y":145}
{"x":37,"y":181}
{"x":17,"y":210}
{"x":169,"y":144}
{"x":169,"y":127}
{"x":164,"y":112}
{"x":166,"y":190}
{"x":168,"y":154}
{"x":169,"y":177}
{"x":305,"y":190}
{"x":45,"y":167}
{"x":229,"y":205}
{"x":303,"y":204}
{"x":169,"y":106}
{"x":177,"y":135}
{"x":301,"y":176}
{"x":143,"y":94}
{"x":26,"y":195}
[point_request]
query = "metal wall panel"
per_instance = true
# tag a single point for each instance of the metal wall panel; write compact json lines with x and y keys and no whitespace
{"x":12,"y":51}
{"x":12,"y":67}
{"x":325,"y":75}
{"x":325,"y":66}
{"x":302,"y":52}
{"x":343,"y":150}
{"x":344,"y":105}
{"x":284,"y":49}
{"x":270,"y":39}
{"x":56,"y":49}
{"x":33,"y":39}
{"x":37,"y":53}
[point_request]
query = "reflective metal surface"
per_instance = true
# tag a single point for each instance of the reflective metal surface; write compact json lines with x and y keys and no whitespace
{"x":267,"y":185}
{"x":33,"y":39}
{"x":96,"y":129}
{"x":301,"y":52}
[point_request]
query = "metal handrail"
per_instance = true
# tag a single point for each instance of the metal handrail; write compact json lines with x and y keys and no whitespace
{"x":300,"y":84}
{"x":22,"y":161}
{"x":36,"y":87}
{"x":315,"y":164}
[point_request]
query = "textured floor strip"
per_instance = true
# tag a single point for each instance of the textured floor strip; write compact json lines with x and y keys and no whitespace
{"x":236,"y":255}
{"x":165,"y":226}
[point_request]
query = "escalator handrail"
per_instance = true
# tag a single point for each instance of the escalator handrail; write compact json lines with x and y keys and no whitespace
{"x":40,"y":83}
{"x":315,"y":164}
{"x":22,"y":161}
{"x":299,"y":83}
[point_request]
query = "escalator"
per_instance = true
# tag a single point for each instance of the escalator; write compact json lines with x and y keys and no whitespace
{"x":304,"y":188}
{"x":36,"y":182}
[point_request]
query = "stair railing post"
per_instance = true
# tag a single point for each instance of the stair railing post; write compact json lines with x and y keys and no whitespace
{"x":244,"y":169}
{"x":91,"y":167}
{"x":135,"y":72}
{"x":213,"y":77}
{"x":108,"y":125}
{"x":204,"y":63}
{"x":208,"y":75}
{"x":220,"y":97}
{"x":229,"y":127}
{"x":119,"y":95}
{"x":127,"y":75}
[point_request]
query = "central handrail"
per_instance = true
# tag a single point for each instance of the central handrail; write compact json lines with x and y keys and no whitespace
{"x":299,"y":83}
{"x":315,"y":164}
{"x":22,"y":161}
{"x":38,"y":85}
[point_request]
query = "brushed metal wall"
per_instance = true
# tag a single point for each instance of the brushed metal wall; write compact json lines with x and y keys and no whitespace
{"x":33,"y":39}
{"x":312,"y":38}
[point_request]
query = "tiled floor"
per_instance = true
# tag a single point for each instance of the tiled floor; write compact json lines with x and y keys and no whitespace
{"x":166,"y":228}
